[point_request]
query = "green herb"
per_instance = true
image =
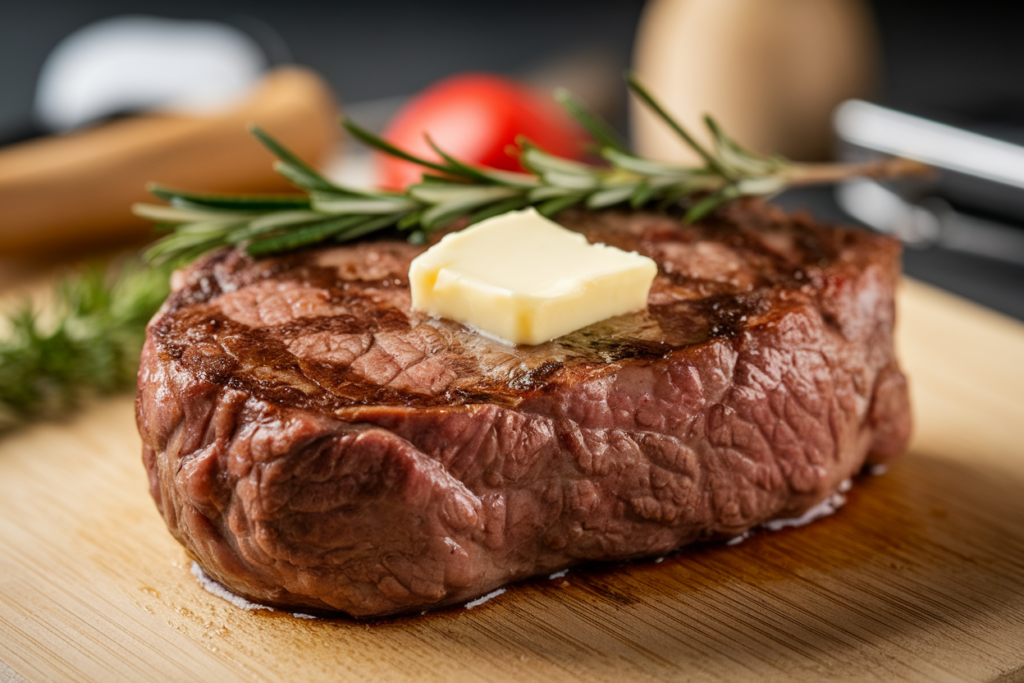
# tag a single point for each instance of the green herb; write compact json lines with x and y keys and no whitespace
{"x":450,"y":189}
{"x":88,"y":343}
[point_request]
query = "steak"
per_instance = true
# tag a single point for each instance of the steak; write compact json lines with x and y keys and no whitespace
{"x":315,"y":444}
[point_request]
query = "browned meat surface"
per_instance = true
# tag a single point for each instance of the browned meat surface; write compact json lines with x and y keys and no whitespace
{"x":314,"y":444}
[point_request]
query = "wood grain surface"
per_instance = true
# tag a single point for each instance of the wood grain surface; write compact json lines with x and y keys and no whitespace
{"x":919,"y":577}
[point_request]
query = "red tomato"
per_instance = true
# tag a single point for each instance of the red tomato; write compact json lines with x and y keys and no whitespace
{"x":475,"y":118}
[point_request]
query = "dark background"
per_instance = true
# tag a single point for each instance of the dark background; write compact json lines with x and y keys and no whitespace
{"x":962,"y":63}
{"x":366,"y":50}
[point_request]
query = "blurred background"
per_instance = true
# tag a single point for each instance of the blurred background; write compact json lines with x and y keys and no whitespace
{"x":772,"y":70}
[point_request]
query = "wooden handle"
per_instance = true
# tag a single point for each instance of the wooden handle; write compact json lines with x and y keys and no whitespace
{"x":77,"y":189}
{"x":769,"y":72}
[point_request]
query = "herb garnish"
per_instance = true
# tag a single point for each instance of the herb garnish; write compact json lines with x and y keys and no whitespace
{"x":88,"y":344}
{"x":450,"y":189}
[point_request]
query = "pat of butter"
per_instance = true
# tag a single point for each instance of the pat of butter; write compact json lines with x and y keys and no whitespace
{"x":526,"y":279}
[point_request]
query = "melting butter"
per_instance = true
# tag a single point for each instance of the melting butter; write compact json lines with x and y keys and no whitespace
{"x":526,"y":279}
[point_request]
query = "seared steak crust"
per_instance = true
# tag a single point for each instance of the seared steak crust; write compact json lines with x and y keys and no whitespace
{"x":315,"y":444}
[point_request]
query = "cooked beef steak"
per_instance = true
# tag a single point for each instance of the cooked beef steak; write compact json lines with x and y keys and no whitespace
{"x":315,"y":444}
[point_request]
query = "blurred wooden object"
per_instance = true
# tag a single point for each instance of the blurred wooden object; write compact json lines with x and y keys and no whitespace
{"x":77,"y":189}
{"x":770,"y":72}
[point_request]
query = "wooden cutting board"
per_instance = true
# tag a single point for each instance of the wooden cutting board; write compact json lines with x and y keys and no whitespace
{"x":919,"y":577}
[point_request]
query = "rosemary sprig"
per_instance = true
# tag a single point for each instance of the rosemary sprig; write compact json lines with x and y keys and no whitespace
{"x":87,"y":344}
{"x":327,"y":212}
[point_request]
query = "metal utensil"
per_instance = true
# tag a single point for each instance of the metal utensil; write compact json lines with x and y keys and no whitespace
{"x":929,"y":223}
{"x":975,"y":170}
